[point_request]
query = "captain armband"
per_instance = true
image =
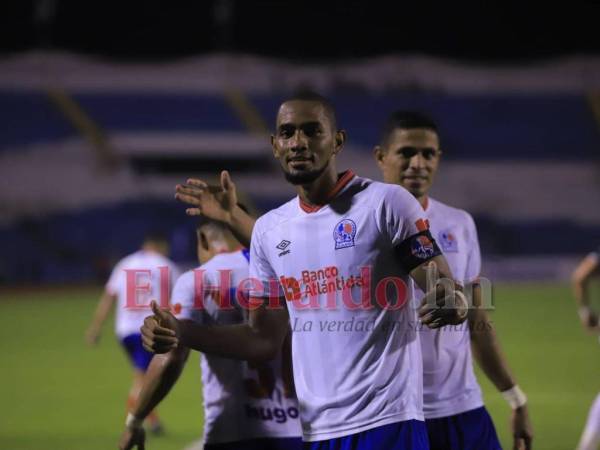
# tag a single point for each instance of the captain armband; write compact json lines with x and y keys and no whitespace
{"x":416,"y":249}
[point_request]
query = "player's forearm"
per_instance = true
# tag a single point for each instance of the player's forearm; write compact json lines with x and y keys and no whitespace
{"x":241,"y":225}
{"x":161,"y":376}
{"x":229,"y":341}
{"x":419,"y":274}
{"x":102,"y":310}
{"x":487,"y":351}
{"x":580,"y":291}
{"x":581,"y":278}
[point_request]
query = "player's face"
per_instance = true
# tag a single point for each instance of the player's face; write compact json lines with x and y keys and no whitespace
{"x":304,"y":141}
{"x":410,"y":158}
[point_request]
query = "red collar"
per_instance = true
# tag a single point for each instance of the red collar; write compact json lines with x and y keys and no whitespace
{"x":342,"y":182}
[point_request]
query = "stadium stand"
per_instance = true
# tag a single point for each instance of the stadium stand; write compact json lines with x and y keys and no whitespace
{"x":545,"y":145}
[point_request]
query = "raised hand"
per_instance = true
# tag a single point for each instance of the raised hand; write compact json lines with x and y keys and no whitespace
{"x":213,"y":202}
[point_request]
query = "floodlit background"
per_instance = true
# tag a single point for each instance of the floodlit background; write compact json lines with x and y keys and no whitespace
{"x":105,"y":106}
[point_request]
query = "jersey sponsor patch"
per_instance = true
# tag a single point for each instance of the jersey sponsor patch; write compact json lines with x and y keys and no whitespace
{"x":344,"y":234}
{"x":447,"y":241}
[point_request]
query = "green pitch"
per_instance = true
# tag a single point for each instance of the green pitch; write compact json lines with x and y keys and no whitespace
{"x":58,"y":394}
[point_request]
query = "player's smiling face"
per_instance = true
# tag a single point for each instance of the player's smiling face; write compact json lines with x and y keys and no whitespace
{"x":305,"y":140}
{"x":410,"y":158}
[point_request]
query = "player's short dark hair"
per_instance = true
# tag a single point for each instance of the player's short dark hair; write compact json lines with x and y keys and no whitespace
{"x":210,"y":223}
{"x":407,"y":120}
{"x":306,"y":95}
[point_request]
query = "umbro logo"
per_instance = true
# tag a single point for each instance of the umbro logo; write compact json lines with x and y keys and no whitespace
{"x":283,"y":246}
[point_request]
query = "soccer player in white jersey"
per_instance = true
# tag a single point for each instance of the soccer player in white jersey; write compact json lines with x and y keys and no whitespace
{"x":456,"y":419}
{"x":340,"y":254}
{"x":134,"y":281}
{"x":247,"y":405}
{"x":588,"y":268}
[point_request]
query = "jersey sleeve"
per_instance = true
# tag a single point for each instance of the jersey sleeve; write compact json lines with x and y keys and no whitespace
{"x":260,"y":267}
{"x":184,"y":293}
{"x":402,"y":221}
{"x":473,"y":269}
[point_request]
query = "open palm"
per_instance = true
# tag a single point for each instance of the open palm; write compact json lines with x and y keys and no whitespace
{"x":213,"y":202}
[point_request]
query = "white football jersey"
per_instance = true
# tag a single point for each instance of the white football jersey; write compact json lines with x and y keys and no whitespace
{"x":144,"y":276}
{"x":241,"y":400}
{"x":449,"y":384}
{"x":355,"y":368}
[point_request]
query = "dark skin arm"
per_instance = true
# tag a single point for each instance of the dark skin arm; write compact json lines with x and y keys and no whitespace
{"x":105,"y":304}
{"x":258,"y":340}
{"x":488,"y":354}
{"x":161,"y":376}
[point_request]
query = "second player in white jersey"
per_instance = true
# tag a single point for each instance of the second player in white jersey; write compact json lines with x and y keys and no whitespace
{"x":242,"y":400}
{"x":247,"y":405}
{"x":449,"y":383}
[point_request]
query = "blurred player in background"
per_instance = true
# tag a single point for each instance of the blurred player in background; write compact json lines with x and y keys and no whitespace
{"x":143,"y":285}
{"x":247,"y":406}
{"x":456,"y":419}
{"x":583,"y":274}
{"x":361,"y":389}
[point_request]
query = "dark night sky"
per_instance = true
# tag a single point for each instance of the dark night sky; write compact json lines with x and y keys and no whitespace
{"x":301,"y":30}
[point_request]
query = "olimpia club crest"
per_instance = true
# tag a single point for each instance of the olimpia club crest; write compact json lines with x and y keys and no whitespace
{"x":344,"y":234}
{"x":448,"y":241}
